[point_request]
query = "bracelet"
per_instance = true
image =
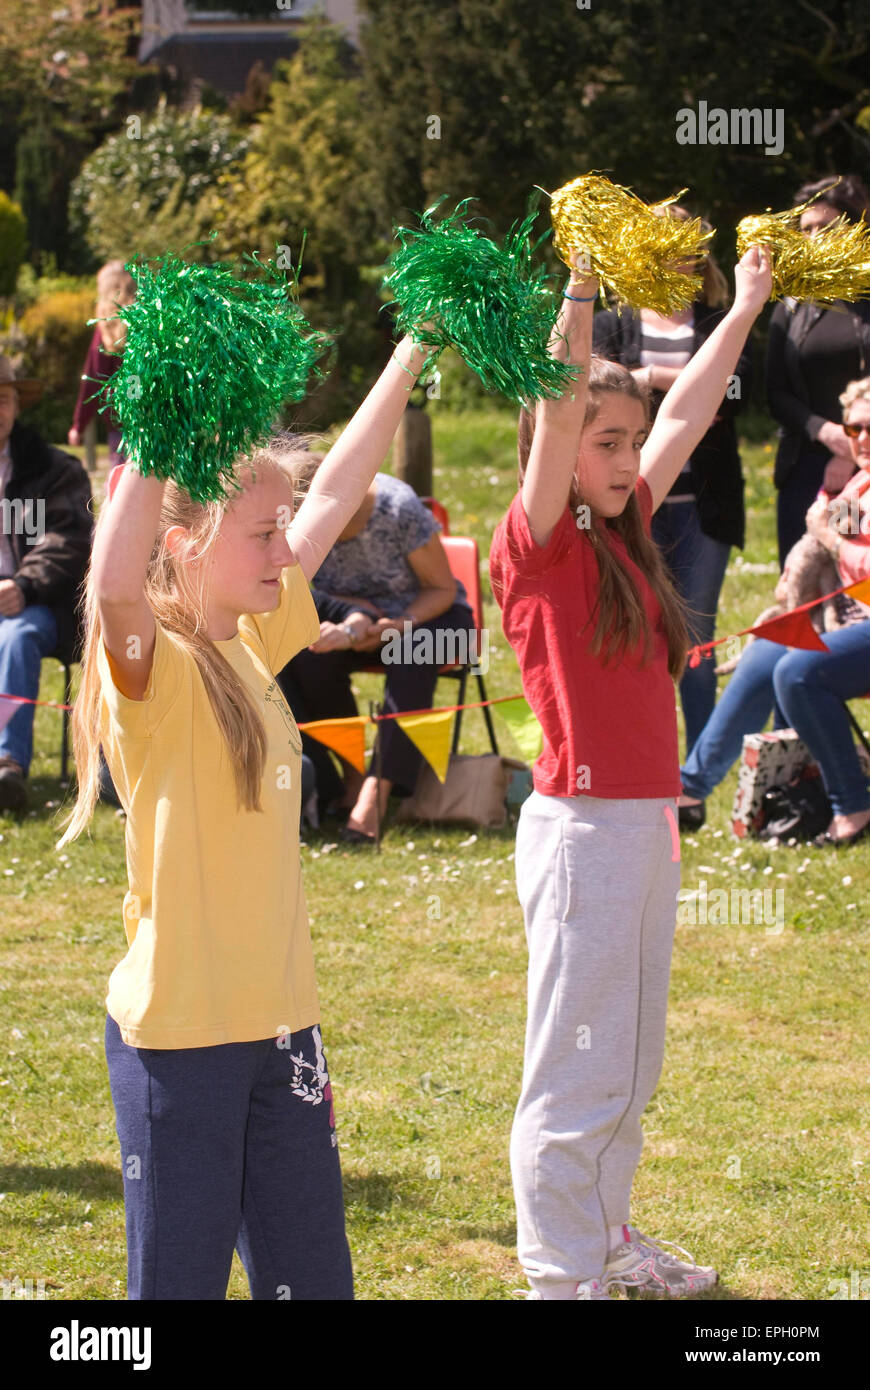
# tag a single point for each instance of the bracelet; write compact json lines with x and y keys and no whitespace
{"x":578,"y":299}
{"x":346,"y":628}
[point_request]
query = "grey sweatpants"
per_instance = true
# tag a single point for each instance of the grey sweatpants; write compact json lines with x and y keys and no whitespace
{"x":598,"y":881}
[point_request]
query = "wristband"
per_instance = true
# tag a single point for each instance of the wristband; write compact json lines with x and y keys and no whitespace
{"x":578,"y":299}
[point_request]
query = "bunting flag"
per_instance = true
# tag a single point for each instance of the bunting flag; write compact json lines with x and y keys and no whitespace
{"x":860,"y":591}
{"x":347,"y":737}
{"x":524,"y":727}
{"x":794,"y":629}
{"x":8,"y":708}
{"x":430,"y":733}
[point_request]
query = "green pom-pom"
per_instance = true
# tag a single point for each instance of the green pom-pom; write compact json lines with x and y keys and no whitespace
{"x":489,"y":302}
{"x":208,"y":362}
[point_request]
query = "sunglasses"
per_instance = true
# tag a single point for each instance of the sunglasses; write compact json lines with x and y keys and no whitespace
{"x":854,"y":431}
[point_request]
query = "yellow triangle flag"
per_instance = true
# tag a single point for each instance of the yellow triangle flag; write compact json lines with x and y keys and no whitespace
{"x":344,"y":736}
{"x":431,"y":734}
{"x":524,"y":727}
{"x":860,"y":591}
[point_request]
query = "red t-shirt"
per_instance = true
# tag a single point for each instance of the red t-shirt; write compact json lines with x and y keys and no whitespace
{"x":609,"y":731}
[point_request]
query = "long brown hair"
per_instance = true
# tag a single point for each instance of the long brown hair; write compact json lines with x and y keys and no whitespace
{"x":622,"y":620}
{"x":179,"y":607}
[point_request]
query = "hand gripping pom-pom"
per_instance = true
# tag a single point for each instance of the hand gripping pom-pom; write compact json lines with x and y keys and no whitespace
{"x":209,"y":360}
{"x":634,"y":251}
{"x":487,"y":301}
{"x":833,"y":264}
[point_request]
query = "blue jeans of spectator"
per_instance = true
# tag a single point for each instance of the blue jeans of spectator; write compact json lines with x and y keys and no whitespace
{"x":224,"y":1147}
{"x":24,"y":641}
{"x":697,"y":564}
{"x":810,"y":688}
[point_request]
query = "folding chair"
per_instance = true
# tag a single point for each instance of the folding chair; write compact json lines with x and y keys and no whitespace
{"x":462,"y":557}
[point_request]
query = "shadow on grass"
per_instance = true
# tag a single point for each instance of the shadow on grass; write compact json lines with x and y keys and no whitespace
{"x":505,"y":1235}
{"x":379,"y":1191}
{"x":77,"y":1180}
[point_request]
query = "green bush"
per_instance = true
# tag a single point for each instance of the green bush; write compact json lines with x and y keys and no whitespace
{"x":13,"y":242}
{"x":50,"y":340}
{"x":140,"y":195}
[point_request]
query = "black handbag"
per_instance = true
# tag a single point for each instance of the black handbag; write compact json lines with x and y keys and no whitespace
{"x":798,"y":811}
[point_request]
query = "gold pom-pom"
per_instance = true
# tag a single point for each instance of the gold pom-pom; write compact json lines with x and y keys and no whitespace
{"x":833,"y":264}
{"x":633,"y":247}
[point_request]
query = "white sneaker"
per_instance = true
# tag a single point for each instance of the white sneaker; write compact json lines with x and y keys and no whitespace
{"x":642,"y":1263}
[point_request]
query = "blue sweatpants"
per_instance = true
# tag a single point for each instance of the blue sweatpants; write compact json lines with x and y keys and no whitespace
{"x":230,"y":1147}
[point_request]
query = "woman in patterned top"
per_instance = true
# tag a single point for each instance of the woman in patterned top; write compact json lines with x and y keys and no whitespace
{"x":390,"y":563}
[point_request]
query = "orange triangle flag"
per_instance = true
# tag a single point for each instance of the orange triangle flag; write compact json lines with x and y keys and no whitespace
{"x":430,"y":733}
{"x":792,"y":630}
{"x":344,"y":736}
{"x":860,"y":591}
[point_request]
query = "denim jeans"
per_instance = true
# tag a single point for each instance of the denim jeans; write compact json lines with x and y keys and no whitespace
{"x":24,"y":641}
{"x":810,"y":688}
{"x":697,"y":564}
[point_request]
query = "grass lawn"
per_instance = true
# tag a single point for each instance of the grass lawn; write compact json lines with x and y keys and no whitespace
{"x":757,"y":1153}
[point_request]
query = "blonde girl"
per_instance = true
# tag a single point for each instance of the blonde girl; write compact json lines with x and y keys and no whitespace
{"x":600,"y":638}
{"x":222,"y":1097}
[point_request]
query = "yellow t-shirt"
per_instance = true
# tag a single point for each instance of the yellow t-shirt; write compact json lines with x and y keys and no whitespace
{"x":215,"y":917}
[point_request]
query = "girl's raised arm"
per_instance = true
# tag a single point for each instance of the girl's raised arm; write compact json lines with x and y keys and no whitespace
{"x":123,"y":544}
{"x":559,"y":423}
{"x":342,"y":480}
{"x":689,"y":407}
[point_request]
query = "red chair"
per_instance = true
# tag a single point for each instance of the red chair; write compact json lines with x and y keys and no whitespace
{"x":439,"y":511}
{"x":462,"y":557}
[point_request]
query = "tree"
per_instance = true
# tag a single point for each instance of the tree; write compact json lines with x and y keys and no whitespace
{"x":145,"y":189}
{"x":528,"y":95}
{"x":66,"y":68}
{"x":306,"y":176}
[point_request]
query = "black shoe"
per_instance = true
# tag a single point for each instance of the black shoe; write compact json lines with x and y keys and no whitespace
{"x":355,"y":837}
{"x":828,"y":841}
{"x":692,"y":817}
{"x":13,"y":786}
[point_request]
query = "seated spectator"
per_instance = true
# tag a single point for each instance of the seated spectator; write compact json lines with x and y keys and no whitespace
{"x":809,"y":686}
{"x":45,"y":538}
{"x":114,"y":287}
{"x":342,"y":626}
{"x":388,"y":563}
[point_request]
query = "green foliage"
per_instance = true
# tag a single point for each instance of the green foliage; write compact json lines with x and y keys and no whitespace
{"x":144,"y":193}
{"x":13,"y":242}
{"x":52,"y":338}
{"x":66,"y":70}
{"x":31,"y":287}
{"x":306,"y":177}
{"x":538,"y":94}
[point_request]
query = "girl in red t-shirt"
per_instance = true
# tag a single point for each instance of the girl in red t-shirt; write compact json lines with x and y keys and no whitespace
{"x":600,"y":636}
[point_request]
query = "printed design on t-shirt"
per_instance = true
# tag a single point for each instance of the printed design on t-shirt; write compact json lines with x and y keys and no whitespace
{"x":310,"y":1080}
{"x":274,"y":696}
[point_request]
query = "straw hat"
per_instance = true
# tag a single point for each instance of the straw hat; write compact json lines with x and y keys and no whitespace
{"x":28,"y":388}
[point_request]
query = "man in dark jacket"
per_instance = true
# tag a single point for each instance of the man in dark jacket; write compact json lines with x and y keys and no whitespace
{"x":45,"y":543}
